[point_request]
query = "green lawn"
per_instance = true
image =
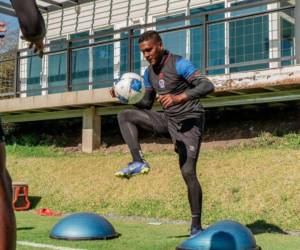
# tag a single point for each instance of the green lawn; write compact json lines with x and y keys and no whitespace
{"x":134,"y":235}
{"x":257,"y":185}
{"x":245,"y":184}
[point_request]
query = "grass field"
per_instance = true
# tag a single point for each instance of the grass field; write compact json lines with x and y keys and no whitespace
{"x":135,"y":235}
{"x":257,"y":185}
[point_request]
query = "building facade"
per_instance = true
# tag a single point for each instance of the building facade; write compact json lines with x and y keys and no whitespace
{"x":250,"y":49}
{"x":92,"y":44}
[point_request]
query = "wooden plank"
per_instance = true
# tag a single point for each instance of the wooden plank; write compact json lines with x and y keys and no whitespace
{"x":227,"y":101}
{"x":269,"y":97}
{"x":25,"y":117}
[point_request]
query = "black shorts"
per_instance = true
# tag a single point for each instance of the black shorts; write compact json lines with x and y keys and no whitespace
{"x":2,"y":137}
{"x":186,"y":135}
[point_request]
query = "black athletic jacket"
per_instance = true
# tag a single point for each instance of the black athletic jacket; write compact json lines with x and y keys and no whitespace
{"x":176,"y":75}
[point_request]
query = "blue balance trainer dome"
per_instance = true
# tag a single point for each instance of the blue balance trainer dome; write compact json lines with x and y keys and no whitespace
{"x":223,"y":235}
{"x":83,"y":226}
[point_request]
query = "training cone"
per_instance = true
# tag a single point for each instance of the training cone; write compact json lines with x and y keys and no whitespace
{"x":223,"y":235}
{"x":83,"y":226}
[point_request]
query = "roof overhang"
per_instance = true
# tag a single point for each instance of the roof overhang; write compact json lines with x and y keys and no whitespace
{"x":6,"y":9}
{"x":44,"y":5}
{"x":53,"y":5}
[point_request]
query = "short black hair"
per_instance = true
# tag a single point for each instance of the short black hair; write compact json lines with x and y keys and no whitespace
{"x":149,"y":35}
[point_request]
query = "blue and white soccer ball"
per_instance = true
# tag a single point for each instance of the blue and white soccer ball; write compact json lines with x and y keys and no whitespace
{"x":130,"y":89}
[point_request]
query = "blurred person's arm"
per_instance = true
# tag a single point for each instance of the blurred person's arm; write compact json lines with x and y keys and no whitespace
{"x":7,"y":218}
{"x":31,"y":21}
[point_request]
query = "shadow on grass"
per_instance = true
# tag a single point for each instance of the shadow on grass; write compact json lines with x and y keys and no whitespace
{"x":261,"y":226}
{"x":257,"y":227}
{"x":34,"y":201}
{"x":24,"y":228}
{"x":178,"y":236}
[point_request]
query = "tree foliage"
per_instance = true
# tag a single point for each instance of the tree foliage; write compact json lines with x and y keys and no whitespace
{"x":8,"y":50}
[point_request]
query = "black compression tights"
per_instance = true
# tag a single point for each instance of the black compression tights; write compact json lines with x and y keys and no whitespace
{"x":129,"y":121}
{"x":188,"y":171}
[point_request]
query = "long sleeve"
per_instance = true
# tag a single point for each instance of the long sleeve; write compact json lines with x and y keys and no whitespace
{"x":200,"y":85}
{"x":31,"y":21}
{"x":147,"y":101}
{"x":149,"y":97}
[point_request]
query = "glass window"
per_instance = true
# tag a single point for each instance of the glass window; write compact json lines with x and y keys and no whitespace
{"x":103,"y":60}
{"x":287,"y":37}
{"x":57,"y":67}
{"x":249,"y":38}
{"x":216,"y":36}
{"x":34,"y":69}
{"x":124,"y":67}
{"x":80,"y":62}
{"x":174,"y":41}
{"x":216,"y":47}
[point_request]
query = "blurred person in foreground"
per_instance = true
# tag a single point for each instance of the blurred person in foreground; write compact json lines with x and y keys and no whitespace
{"x":33,"y":29}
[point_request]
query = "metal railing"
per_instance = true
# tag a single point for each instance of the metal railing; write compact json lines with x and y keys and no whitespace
{"x":220,"y":41}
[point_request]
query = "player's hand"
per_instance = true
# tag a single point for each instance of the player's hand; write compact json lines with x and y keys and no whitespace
{"x":112,"y":92}
{"x":38,"y":47}
{"x":169,"y":100}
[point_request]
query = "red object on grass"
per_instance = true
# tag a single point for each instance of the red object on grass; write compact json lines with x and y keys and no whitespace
{"x":20,"y":196}
{"x":47,"y":212}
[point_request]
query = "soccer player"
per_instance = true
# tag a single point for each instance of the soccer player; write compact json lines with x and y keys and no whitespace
{"x":33,"y":28}
{"x":178,"y":85}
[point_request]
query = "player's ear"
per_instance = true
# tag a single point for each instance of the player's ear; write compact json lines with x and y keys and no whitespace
{"x":161,"y":46}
